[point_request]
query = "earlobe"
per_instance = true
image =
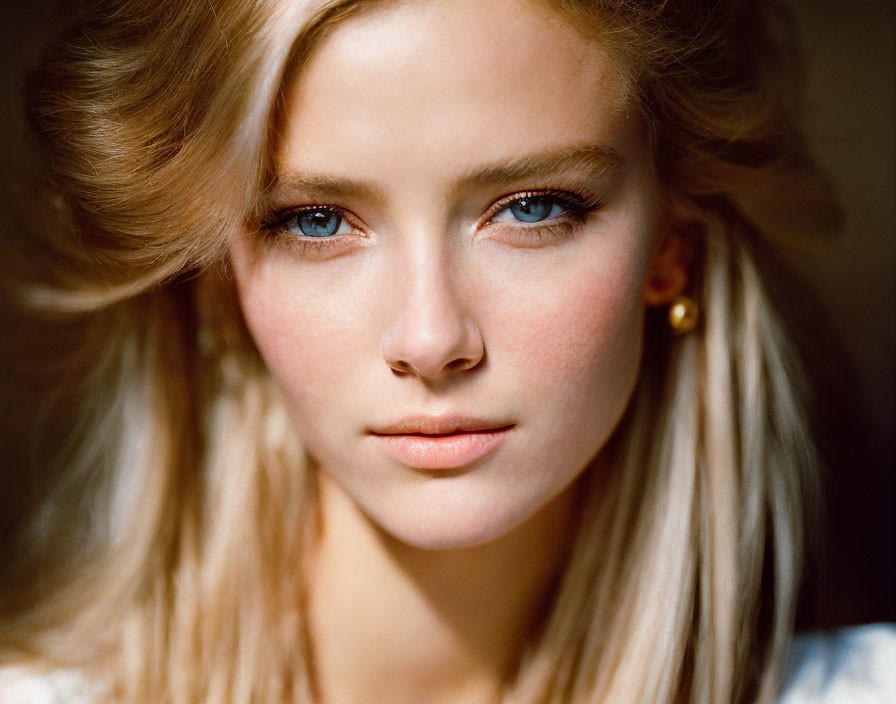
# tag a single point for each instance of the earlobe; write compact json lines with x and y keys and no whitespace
{"x":670,"y":263}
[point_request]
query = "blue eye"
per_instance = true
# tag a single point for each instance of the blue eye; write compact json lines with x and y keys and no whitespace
{"x":316,"y":222}
{"x":531,"y":209}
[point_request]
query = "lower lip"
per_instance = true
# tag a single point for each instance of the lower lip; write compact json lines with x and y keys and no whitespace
{"x":442,"y":451}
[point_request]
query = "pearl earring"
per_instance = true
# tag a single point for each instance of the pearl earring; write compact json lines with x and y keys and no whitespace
{"x":683,"y":315}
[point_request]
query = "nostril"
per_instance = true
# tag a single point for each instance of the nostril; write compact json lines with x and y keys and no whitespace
{"x":400,"y":368}
{"x":461,"y":364}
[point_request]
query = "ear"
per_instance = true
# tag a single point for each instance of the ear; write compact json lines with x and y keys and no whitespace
{"x":670,"y":263}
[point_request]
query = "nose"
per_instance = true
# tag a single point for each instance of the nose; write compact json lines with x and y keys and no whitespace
{"x":430,"y":334}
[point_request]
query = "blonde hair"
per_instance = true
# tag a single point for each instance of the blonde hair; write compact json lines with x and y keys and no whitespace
{"x":187,"y":483}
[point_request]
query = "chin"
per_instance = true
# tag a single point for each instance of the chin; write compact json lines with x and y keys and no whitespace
{"x":448,"y":537}
{"x":454,"y":523}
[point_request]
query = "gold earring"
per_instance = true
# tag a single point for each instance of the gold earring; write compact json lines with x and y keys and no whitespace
{"x":683,"y":315}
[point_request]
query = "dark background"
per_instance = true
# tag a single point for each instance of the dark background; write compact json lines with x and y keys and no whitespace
{"x":850,"y":121}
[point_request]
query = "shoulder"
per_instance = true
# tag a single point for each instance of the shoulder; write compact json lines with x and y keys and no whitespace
{"x":23,"y":685}
{"x":846,"y":666}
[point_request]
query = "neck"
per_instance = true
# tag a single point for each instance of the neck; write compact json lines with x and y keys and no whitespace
{"x":390,"y":622}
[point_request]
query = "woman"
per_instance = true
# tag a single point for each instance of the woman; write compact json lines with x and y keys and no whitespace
{"x":376,"y":394}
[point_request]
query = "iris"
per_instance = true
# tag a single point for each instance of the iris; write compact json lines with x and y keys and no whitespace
{"x":534,"y":209}
{"x":320,"y":222}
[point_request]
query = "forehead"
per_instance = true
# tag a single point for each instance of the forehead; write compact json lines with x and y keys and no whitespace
{"x":515,"y":70}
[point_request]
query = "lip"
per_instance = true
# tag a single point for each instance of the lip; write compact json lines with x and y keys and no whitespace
{"x":440,"y":442}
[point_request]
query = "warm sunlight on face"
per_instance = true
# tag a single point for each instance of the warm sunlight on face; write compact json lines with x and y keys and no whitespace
{"x":450,"y":286}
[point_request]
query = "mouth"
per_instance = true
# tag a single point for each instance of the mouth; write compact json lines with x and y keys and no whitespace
{"x":435,"y":443}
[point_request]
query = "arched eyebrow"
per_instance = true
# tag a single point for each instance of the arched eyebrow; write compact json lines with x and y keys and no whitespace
{"x":319,"y":188}
{"x":590,"y":161}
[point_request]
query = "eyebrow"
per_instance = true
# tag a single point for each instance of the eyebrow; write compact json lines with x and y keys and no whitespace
{"x":320,"y":188}
{"x":597,"y":161}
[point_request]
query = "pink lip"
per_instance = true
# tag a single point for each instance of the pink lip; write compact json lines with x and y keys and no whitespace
{"x":428,"y":442}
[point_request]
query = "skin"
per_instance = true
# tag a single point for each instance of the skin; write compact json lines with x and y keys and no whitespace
{"x":437,"y":300}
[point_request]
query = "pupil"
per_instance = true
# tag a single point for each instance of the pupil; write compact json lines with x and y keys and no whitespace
{"x":319,"y":223}
{"x":531,"y":209}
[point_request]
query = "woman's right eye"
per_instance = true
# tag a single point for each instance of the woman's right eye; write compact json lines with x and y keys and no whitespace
{"x":315,"y":222}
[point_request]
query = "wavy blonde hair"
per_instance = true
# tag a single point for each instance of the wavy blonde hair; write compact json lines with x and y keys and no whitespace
{"x":172,"y":492}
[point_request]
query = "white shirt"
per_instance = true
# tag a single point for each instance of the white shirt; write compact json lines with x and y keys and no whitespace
{"x":848,"y":666}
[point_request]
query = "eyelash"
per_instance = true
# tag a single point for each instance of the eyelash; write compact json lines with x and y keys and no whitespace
{"x":275,"y":224}
{"x":576,"y":210}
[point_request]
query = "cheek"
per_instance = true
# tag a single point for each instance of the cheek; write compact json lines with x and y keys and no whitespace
{"x":590,"y":326}
{"x":306,"y":346}
{"x":576,"y":339}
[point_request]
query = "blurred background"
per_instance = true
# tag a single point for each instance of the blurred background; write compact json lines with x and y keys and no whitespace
{"x":850,"y":121}
{"x":850,"y":118}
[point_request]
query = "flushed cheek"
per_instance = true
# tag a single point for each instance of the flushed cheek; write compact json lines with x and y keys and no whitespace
{"x":579,"y":346}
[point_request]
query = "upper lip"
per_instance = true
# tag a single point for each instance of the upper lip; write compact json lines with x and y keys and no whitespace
{"x":438,"y":425}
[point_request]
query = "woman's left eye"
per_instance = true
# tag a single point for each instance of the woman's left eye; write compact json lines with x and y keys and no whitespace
{"x":538,"y":218}
{"x":531,"y":209}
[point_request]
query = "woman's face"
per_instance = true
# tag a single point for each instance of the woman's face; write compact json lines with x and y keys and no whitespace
{"x":451,"y":291}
